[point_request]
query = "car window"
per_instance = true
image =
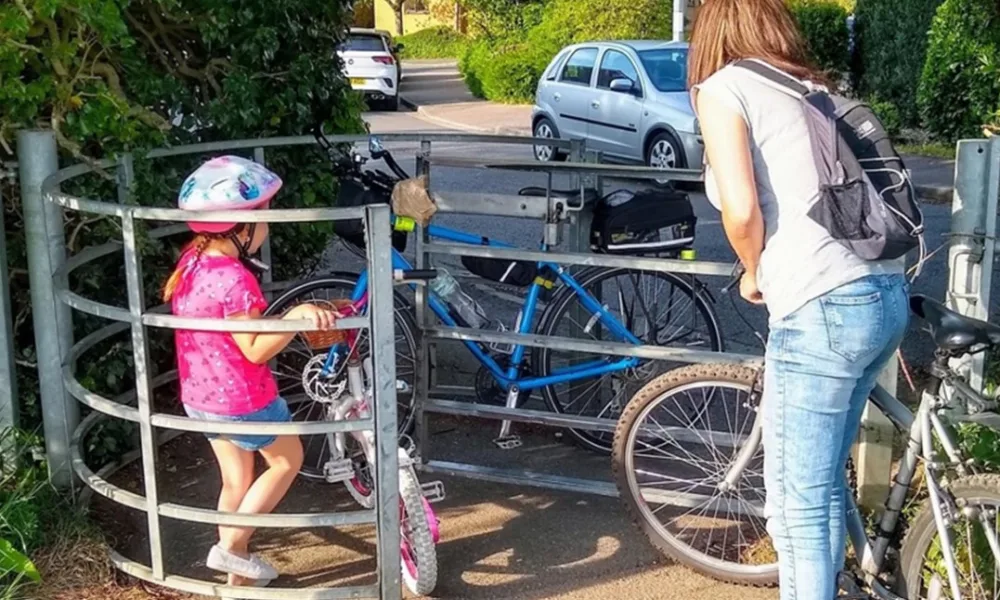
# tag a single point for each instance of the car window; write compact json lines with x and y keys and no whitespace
{"x":364,"y":43}
{"x":580,"y":66}
{"x":615,"y":65}
{"x":666,"y":68}
{"x":553,"y":69}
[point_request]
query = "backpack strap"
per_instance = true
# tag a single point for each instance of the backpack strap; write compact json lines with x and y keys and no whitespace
{"x":775,"y":77}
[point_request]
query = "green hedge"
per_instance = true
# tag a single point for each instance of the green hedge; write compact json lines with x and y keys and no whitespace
{"x":435,"y":42}
{"x":824,"y":25}
{"x":890,"y":47}
{"x":960,"y":85}
{"x":507,"y":69}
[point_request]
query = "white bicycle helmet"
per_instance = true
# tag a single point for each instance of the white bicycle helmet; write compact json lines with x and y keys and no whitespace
{"x":226,"y":183}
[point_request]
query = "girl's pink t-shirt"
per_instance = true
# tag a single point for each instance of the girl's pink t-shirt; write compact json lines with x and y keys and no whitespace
{"x":214,"y":375}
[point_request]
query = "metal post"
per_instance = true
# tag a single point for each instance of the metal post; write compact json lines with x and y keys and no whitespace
{"x":678,"y":21}
{"x":125,"y":177}
{"x":38,"y":158}
{"x":874,"y":447}
{"x":973,"y":233}
{"x":143,"y":391}
{"x":265,"y":249}
{"x":381,"y":311}
{"x":9,"y":409}
{"x":422,"y":361}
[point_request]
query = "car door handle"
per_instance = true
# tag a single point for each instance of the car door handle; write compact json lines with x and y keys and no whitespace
{"x":595,"y":104}
{"x":556,"y":96}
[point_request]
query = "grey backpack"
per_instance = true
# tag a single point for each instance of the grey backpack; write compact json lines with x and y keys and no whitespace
{"x":866,"y":200}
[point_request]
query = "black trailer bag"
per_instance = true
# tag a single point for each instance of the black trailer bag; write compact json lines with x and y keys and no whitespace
{"x":655,"y":221}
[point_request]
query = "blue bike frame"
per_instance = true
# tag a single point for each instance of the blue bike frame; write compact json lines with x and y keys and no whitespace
{"x":510,"y":376}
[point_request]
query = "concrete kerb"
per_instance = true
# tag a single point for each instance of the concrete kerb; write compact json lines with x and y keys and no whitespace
{"x":426,"y":113}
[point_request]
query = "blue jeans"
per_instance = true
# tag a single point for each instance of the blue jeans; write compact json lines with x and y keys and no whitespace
{"x":276,"y":411}
{"x":821,"y":364}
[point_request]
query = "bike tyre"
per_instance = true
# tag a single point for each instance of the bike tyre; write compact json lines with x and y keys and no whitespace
{"x":671,"y":545}
{"x":421,"y":578}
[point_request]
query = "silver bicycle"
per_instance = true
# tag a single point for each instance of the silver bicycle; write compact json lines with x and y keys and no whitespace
{"x":688,"y":462}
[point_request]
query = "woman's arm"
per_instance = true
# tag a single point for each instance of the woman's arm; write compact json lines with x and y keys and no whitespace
{"x":727,"y":146}
{"x":259,"y":348}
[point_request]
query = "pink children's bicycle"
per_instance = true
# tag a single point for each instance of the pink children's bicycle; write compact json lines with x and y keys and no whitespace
{"x":338,"y":379}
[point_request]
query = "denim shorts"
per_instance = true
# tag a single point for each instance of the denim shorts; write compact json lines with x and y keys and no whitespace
{"x":276,"y":411}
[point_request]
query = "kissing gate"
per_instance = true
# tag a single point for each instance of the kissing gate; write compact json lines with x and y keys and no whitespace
{"x":563,"y":222}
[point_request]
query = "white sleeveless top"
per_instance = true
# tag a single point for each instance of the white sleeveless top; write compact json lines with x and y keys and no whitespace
{"x":800,"y":261}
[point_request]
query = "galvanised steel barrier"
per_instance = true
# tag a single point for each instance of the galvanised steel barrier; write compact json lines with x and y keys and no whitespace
{"x":46,"y":203}
{"x":561,"y":216}
{"x":134,"y":316}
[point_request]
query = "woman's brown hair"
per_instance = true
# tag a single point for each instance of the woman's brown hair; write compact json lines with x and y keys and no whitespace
{"x":729,"y":30}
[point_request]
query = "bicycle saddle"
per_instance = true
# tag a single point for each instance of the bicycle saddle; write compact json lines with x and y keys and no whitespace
{"x":589,"y":194}
{"x":952,"y":331}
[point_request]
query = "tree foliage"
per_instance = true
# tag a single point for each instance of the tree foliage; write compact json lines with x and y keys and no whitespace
{"x":890,"y":47}
{"x":128,"y":75}
{"x":960,"y":85}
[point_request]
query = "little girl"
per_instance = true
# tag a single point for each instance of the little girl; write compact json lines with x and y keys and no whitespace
{"x":224,"y":376}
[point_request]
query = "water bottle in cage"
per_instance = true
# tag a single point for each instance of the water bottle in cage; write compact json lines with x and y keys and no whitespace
{"x":446,"y":288}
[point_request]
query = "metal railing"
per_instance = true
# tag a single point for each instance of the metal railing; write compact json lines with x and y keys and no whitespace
{"x":136,"y":318}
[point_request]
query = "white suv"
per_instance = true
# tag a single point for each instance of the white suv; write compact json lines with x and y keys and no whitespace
{"x":371,"y":65}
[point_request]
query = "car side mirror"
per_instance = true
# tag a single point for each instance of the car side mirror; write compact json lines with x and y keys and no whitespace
{"x":375,"y":147}
{"x":398,"y":48}
{"x":622,"y":85}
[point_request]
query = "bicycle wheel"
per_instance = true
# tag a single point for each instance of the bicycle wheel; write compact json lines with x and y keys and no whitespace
{"x":674,"y":444}
{"x":971,"y":528}
{"x":659,"y":308}
{"x":292,"y":363}
{"x":418,"y":554}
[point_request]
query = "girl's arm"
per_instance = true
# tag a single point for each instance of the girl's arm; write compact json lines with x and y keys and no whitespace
{"x":727,"y":146}
{"x":259,"y":348}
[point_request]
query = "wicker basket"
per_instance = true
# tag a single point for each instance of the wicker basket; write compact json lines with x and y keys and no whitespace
{"x":321,"y":340}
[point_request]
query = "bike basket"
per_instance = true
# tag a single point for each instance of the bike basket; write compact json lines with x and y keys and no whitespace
{"x":354,"y":193}
{"x":322,"y":340}
{"x":512,"y":272}
{"x":652,"y":221}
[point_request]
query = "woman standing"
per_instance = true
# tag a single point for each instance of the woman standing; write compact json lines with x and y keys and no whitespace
{"x":835,"y":319}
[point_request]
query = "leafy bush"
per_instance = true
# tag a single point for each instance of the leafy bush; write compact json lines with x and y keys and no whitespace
{"x":824,"y":25}
{"x":499,"y":18}
{"x":434,"y":42}
{"x":506,"y":70}
{"x":960,"y":85}
{"x":890,"y":48}
{"x":110,"y":77}
{"x":888,"y":113}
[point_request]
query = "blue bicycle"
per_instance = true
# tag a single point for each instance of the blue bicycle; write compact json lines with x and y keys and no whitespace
{"x":607,"y":304}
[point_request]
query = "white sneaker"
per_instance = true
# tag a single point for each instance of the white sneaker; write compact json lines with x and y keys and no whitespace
{"x":220,"y":559}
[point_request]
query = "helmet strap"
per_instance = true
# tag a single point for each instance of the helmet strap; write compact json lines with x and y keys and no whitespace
{"x":243,"y":247}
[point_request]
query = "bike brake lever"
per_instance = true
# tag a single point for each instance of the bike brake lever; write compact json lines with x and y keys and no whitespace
{"x":734,"y":278}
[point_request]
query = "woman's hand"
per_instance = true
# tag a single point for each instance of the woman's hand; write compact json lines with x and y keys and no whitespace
{"x":749,"y":290}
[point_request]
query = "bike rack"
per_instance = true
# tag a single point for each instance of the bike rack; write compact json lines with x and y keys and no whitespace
{"x":135,"y":317}
{"x":576,"y":221}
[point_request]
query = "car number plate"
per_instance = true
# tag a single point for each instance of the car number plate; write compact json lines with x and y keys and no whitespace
{"x":358,"y":80}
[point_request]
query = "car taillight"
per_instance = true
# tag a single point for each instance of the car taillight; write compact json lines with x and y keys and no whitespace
{"x":385,"y":60}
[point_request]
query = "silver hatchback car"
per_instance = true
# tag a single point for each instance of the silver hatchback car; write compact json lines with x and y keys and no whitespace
{"x":629,"y":100}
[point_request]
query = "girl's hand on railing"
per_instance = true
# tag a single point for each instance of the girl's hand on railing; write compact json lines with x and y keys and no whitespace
{"x":323,"y":318}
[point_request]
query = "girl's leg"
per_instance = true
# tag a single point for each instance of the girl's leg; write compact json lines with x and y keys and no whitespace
{"x":236,"y":467}
{"x":284,"y":459}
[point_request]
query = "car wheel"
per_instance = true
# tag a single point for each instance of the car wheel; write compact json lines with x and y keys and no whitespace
{"x":664,"y":152}
{"x":546,"y":129}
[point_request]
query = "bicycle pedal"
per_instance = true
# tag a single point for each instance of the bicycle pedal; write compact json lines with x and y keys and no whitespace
{"x":433,"y":491}
{"x":338,"y":470}
{"x":509,"y":442}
